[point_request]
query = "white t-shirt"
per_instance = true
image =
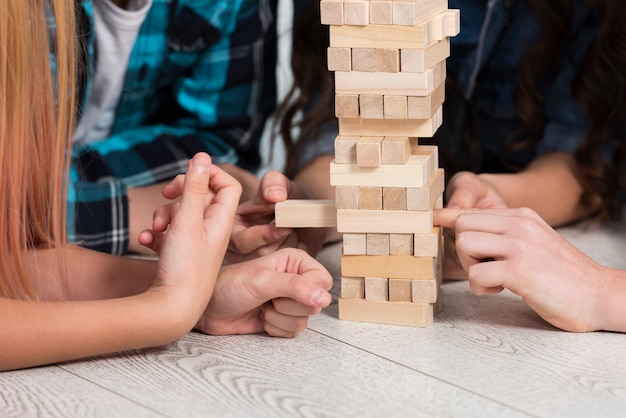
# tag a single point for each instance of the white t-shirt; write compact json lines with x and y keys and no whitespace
{"x":116,"y":32}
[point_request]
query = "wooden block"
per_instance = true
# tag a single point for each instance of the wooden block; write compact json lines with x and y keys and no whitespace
{"x":339,"y":59}
{"x":399,"y":84}
{"x":396,"y":149}
{"x":420,"y":60}
{"x":387,"y":60}
{"x":370,"y":198}
{"x":391,"y":266}
{"x":389,"y":313}
{"x":356,"y":12}
{"x":384,"y":221}
{"x":347,"y":197}
{"x":452,"y":23}
{"x":355,"y":244}
{"x":394,"y":198}
{"x":368,"y":151}
{"x":431,"y":151}
{"x":428,"y":244}
{"x":424,"y":198}
{"x":376,"y":288}
{"x":439,"y":204}
{"x":415,"y":173}
{"x":428,"y":291}
{"x":353,"y":287}
{"x":331,"y":12}
{"x":364,"y":59}
{"x":381,"y":36}
{"x":426,"y":107}
{"x":346,"y":105}
{"x":424,"y":291}
{"x":424,"y":128}
{"x":438,"y":27}
{"x":306,"y":214}
{"x":413,"y":12}
{"x":401,"y":244}
{"x":395,"y":107}
{"x":377,"y":244}
{"x":400,"y":290}
{"x":345,"y":149}
{"x":381,"y":13}
{"x":371,"y":106}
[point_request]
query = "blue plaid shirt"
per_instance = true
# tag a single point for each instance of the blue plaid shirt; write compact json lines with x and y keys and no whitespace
{"x":200,"y":78}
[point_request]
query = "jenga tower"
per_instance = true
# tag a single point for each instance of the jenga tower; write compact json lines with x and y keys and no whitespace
{"x":389,"y":62}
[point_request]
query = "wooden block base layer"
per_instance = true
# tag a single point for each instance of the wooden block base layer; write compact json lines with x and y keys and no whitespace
{"x":389,"y":313}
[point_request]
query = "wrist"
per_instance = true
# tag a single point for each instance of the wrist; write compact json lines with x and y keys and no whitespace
{"x":610,"y":302}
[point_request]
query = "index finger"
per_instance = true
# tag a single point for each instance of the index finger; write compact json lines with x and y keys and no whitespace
{"x":446,"y":217}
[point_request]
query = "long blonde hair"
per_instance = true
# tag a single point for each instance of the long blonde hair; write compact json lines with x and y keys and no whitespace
{"x":36,"y":119}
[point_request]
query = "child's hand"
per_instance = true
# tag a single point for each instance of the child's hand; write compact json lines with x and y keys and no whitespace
{"x":467,"y":190}
{"x":515,"y":249}
{"x":276,"y":294}
{"x":254,"y":232}
{"x":191,"y":236}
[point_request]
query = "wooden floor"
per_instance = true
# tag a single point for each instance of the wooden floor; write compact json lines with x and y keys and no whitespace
{"x":482,"y":357}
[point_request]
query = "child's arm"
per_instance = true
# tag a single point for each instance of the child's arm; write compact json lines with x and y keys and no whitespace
{"x":35,"y":333}
{"x":515,"y":249}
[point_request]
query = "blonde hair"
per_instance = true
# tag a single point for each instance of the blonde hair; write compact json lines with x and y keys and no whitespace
{"x":36,"y":119}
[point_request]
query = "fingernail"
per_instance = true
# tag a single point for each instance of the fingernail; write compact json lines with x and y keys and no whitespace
{"x":282,"y":232}
{"x":319,"y":297}
{"x":201,"y":163}
{"x":276,"y":193}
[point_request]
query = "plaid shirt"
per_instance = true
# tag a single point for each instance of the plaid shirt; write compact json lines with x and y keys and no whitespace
{"x":200,"y":78}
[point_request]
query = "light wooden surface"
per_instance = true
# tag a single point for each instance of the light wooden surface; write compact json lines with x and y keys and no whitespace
{"x":482,"y":357}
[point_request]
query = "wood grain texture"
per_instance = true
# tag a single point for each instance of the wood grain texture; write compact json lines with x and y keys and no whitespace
{"x":296,"y":213}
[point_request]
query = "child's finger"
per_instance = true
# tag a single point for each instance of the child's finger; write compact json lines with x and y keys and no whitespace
{"x":195,"y":187}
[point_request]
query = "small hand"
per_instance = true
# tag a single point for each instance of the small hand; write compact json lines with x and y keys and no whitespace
{"x":254,"y":232}
{"x":274,"y":294}
{"x":515,"y":249}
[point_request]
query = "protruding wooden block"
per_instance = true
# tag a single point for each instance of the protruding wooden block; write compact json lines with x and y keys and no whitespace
{"x":394,"y":198}
{"x":356,"y":12}
{"x":424,"y":198}
{"x":347,"y":197}
{"x":377,"y":244}
{"x":339,"y":59}
{"x":400,"y":290}
{"x":331,"y":12}
{"x":426,"y":107}
{"x":371,"y":106}
{"x":368,"y":151}
{"x":355,"y":244}
{"x":345,"y":149}
{"x":376,"y":288}
{"x":391,"y":266}
{"x":347,"y":105}
{"x":396,"y":149}
{"x":306,"y":213}
{"x":428,"y":244}
{"x":364,"y":59}
{"x":395,"y":107}
{"x":452,"y":22}
{"x":401,"y":244}
{"x":390,"y":313}
{"x":387,"y":60}
{"x":353,"y":287}
{"x":415,"y":173}
{"x":384,"y":221}
{"x":380,"y":12}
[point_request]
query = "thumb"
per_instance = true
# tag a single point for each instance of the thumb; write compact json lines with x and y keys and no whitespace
{"x":196,"y":185}
{"x":302,"y":288}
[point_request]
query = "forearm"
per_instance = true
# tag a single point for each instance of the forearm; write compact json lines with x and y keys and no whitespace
{"x":91,"y":275}
{"x":48,"y":332}
{"x":550,"y":185}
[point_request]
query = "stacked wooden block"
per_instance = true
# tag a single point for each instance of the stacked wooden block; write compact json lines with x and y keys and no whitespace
{"x":389,"y":62}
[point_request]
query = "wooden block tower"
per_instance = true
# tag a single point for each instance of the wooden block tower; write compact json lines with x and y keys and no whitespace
{"x":389,"y":62}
